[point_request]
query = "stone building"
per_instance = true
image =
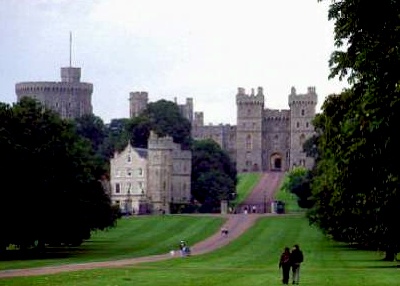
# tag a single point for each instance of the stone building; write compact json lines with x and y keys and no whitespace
{"x":263,"y":139}
{"x":70,"y":98}
{"x":150,"y":180}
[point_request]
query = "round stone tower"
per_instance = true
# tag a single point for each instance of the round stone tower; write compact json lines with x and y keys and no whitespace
{"x":249,"y":139}
{"x":70,"y":98}
{"x":302,"y":112}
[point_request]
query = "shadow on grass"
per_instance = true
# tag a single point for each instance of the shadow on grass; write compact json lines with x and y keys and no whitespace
{"x":48,"y":253}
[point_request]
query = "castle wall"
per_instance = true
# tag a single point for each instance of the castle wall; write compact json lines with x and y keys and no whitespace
{"x":70,"y":98}
{"x":276,"y":133}
{"x":137,"y":102}
{"x":302,"y":112}
{"x":249,"y":139}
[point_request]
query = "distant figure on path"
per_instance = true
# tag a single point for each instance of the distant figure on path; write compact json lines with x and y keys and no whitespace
{"x":285,"y":264}
{"x":224,"y":231}
{"x":296,"y":258}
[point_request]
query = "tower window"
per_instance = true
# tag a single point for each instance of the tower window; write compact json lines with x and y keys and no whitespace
{"x":117,"y":188}
{"x":298,"y":124}
{"x":307,"y":124}
{"x":248,"y":142}
{"x":302,"y":112}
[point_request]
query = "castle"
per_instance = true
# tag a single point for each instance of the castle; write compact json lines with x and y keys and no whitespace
{"x":70,"y":98}
{"x":263,"y":139}
{"x":150,"y":180}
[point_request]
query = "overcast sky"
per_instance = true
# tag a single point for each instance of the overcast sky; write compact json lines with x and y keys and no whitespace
{"x":177,"y":48}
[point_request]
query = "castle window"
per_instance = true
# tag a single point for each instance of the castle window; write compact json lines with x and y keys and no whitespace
{"x":128,"y":172}
{"x":248,"y":142}
{"x":298,"y":124}
{"x":129,"y":159}
{"x":140,"y":172}
{"x":117,"y":188}
{"x":307,"y":124}
{"x":302,"y":112}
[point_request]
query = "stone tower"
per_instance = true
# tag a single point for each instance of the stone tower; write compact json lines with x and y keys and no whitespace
{"x":160,"y":168}
{"x":70,"y":98}
{"x":137,"y":102}
{"x":302,"y":112}
{"x":249,"y":139}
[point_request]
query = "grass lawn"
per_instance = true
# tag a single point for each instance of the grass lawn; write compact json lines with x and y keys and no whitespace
{"x":133,"y":237}
{"x":246,"y":183}
{"x":250,"y":260}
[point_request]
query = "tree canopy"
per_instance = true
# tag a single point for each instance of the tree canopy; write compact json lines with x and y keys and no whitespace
{"x":356,"y":188}
{"x":53,"y":195}
{"x":213,"y":175}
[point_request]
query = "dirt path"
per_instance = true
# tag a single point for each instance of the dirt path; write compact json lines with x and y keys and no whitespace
{"x":237,"y":224}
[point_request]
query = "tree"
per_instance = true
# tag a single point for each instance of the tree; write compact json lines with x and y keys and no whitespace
{"x":361,"y":160}
{"x":164,"y":118}
{"x":298,"y":182}
{"x":55,"y":197}
{"x":213,"y":175}
{"x":92,"y":128}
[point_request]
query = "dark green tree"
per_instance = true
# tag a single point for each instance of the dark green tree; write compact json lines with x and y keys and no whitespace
{"x":55,"y":197}
{"x":214,"y":176}
{"x":361,"y":189}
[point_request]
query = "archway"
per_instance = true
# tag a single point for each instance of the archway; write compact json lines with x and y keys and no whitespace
{"x":276,"y":162}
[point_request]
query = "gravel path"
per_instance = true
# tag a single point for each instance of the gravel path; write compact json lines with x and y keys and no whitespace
{"x":237,"y":224}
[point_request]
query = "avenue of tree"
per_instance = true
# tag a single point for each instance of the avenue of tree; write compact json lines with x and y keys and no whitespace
{"x":355,"y":185}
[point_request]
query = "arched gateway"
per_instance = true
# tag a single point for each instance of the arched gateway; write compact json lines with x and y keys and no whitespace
{"x":276,"y":162}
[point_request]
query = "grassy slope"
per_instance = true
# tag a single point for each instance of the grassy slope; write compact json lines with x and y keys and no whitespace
{"x":250,"y":260}
{"x":246,"y":183}
{"x":133,"y":237}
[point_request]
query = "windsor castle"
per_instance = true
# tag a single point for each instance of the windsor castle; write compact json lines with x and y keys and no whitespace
{"x":263,"y":139}
{"x":154,"y":179}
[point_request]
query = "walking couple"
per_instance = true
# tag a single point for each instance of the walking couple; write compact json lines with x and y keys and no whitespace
{"x":291,"y":259}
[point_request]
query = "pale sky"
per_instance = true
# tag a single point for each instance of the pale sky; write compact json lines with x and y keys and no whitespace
{"x":177,"y":48}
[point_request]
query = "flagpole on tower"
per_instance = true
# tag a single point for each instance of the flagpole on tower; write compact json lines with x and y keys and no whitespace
{"x":70,"y":49}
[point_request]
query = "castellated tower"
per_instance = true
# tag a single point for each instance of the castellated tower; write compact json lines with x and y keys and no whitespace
{"x":198,"y":119}
{"x":302,"y":112}
{"x":70,"y":98}
{"x":137,"y":102}
{"x":159,"y":171}
{"x":249,"y":139}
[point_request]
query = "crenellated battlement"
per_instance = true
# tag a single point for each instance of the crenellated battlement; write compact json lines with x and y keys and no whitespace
{"x":277,"y":115}
{"x":243,"y":98}
{"x":309,"y":98}
{"x":139,"y":95}
{"x":29,"y":88}
{"x":156,"y":142}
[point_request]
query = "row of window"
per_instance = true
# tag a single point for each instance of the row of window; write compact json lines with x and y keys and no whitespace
{"x":129,"y":172}
{"x":129,"y":188}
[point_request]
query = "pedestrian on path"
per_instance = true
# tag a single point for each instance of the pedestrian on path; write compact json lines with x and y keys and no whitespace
{"x":296,"y":258}
{"x":285,"y":264}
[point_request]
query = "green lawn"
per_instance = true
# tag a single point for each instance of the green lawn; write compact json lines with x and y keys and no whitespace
{"x":246,"y":183}
{"x":133,"y":237}
{"x":290,"y":200}
{"x":250,"y":260}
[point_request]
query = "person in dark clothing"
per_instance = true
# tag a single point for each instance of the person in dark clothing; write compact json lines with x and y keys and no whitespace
{"x":296,"y":258}
{"x":285,"y":264}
